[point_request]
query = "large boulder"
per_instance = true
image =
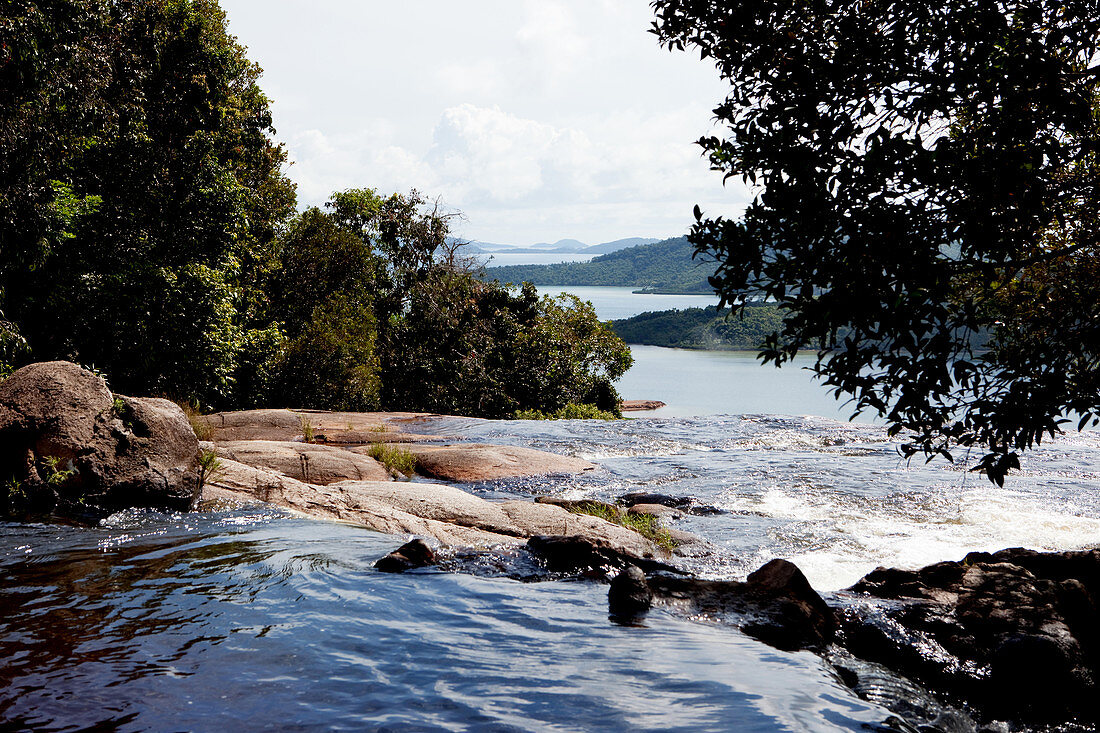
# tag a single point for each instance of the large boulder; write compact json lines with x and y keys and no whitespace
{"x":70,"y":447}
{"x":1014,"y":632}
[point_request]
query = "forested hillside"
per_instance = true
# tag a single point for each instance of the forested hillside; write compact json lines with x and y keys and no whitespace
{"x":662,"y":267}
{"x":701,"y":328}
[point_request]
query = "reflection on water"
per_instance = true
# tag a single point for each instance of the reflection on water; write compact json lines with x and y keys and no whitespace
{"x":286,"y":626}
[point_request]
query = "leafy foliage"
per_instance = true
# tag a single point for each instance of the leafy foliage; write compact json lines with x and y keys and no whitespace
{"x":146,"y":226}
{"x":924,"y":172}
{"x":139,"y":189}
{"x":571,"y":411}
{"x":474,"y":348}
{"x":662,"y":267}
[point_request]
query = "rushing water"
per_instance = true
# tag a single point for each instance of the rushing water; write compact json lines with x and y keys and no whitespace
{"x":257,"y":619}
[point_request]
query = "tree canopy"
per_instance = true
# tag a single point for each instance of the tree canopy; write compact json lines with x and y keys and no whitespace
{"x":140,"y":190}
{"x":924,"y":172}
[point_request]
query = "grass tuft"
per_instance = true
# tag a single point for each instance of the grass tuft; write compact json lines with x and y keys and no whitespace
{"x":202,"y":429}
{"x":307,"y":430}
{"x":646,"y":525}
{"x":395,"y":458}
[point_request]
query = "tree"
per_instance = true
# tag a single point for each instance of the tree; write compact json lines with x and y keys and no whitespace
{"x":140,"y":190}
{"x":926,"y":181}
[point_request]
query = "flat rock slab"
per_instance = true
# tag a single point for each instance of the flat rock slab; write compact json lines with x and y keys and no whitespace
{"x":333,"y":427}
{"x":307,"y":462}
{"x":638,"y":405}
{"x":437,"y":511}
{"x":357,"y":503}
{"x":470,"y":462}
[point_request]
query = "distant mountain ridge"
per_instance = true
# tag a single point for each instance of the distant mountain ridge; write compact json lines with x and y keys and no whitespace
{"x":569,"y":246}
{"x":658,"y":267}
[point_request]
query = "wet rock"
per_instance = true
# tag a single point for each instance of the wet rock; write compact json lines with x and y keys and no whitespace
{"x":413,"y":554}
{"x":70,"y":447}
{"x":315,"y":464}
{"x":1012,"y":632}
{"x":549,"y":520}
{"x":656,"y":510}
{"x":583,"y":555}
{"x":629,"y":597}
{"x":642,"y":497}
{"x":685,"y":504}
{"x":776,"y":604}
{"x":471,"y":462}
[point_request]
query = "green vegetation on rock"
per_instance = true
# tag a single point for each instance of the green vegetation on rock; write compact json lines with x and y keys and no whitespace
{"x":662,"y":267}
{"x":646,"y":525}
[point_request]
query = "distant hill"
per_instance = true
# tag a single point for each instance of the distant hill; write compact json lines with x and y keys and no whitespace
{"x":660,"y":267}
{"x":608,"y":247}
{"x":701,"y":328}
{"x":570,"y":246}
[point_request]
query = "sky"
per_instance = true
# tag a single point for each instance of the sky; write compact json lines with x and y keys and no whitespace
{"x":539,"y":120}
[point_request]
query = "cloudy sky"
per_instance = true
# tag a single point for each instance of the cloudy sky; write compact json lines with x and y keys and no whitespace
{"x":538,"y":120}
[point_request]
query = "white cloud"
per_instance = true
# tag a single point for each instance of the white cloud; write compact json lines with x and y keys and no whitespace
{"x":540,"y":119}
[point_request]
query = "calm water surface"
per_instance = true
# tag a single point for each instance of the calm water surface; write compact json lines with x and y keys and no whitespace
{"x":260,"y":620}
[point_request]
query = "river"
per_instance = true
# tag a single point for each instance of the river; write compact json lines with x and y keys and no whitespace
{"x":257,"y":619}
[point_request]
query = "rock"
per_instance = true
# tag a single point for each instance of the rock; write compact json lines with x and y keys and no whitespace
{"x":68,"y":446}
{"x":795,"y":616}
{"x":325,"y":426}
{"x":586,"y":555}
{"x":776,"y":604}
{"x":253,"y":425}
{"x":612,"y":540}
{"x":629,"y":597}
{"x":413,"y":554}
{"x":316,"y":464}
{"x":361,"y":503}
{"x":642,"y":497}
{"x":1012,"y":632}
{"x":685,"y":504}
{"x":656,"y":510}
{"x":637,"y":405}
{"x":471,"y":462}
{"x":438,"y":502}
{"x":582,"y":506}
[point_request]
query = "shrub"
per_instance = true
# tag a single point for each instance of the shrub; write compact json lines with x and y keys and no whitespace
{"x":571,"y":411}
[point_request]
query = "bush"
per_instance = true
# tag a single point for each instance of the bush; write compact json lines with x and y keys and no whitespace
{"x":571,"y":411}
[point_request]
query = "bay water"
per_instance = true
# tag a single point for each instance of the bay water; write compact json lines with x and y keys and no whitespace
{"x":259,"y":619}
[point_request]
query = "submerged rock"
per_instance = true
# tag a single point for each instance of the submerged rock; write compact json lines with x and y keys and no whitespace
{"x":1013,"y":632}
{"x":70,"y":447}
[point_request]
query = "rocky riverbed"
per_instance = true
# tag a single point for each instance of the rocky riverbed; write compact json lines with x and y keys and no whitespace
{"x":1007,"y":636}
